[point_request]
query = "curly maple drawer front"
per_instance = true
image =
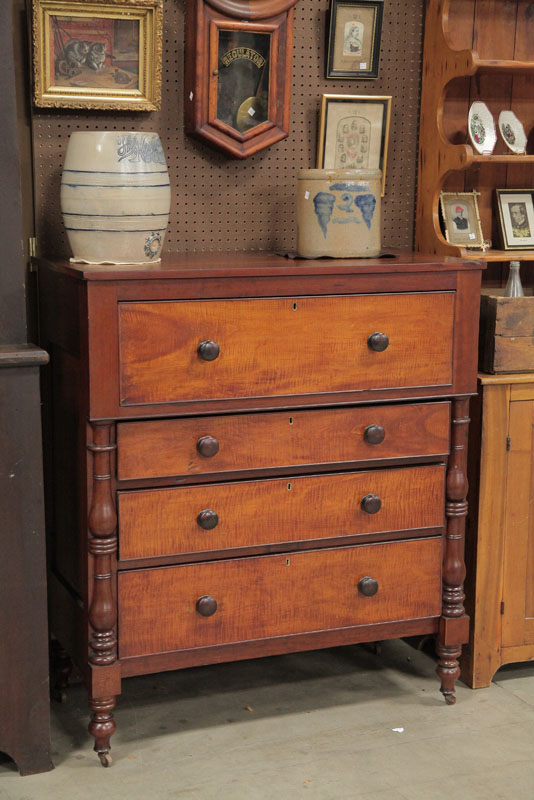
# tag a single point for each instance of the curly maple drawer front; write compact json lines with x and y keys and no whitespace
{"x":164,"y":522}
{"x":197,"y":605}
{"x":159,"y":448}
{"x":204,"y":350}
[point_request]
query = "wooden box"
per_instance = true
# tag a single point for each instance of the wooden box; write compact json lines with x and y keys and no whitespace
{"x":506,"y":334}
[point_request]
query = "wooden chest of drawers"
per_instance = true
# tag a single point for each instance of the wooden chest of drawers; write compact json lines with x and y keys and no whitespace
{"x":248,"y":455}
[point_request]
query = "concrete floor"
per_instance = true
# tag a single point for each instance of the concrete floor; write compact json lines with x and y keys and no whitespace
{"x":318,"y":725}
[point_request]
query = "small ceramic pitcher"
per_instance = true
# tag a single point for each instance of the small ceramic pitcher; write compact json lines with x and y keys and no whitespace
{"x":339,"y":213}
{"x":115,"y":197}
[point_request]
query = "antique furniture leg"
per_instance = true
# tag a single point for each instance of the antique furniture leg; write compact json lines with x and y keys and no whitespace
{"x":102,"y":726}
{"x":102,"y":612}
{"x":454,"y":623}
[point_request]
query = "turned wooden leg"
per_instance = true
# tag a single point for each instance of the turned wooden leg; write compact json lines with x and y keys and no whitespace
{"x":60,"y":669}
{"x":103,"y":609}
{"x":454,"y":623}
{"x":448,"y":670}
{"x":102,"y":726}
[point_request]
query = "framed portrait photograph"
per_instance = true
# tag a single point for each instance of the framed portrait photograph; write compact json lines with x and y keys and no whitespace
{"x":354,"y":133}
{"x":516,"y":218}
{"x":97,"y":54}
{"x":461,"y":218}
{"x":354,"y":38}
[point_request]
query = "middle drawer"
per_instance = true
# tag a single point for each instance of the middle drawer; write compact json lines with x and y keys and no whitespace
{"x":202,"y":445}
{"x":190,"y":519}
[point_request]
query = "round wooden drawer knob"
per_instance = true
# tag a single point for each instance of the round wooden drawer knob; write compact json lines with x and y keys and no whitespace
{"x":208,"y":446}
{"x":208,"y":350}
{"x":368,"y":586}
{"x":371,"y":503}
{"x":206,"y":605}
{"x":378,"y":341}
{"x":208,"y":519}
{"x":374,"y":434}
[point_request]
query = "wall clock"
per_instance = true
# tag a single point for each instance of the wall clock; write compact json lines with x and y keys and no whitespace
{"x":238,"y":72}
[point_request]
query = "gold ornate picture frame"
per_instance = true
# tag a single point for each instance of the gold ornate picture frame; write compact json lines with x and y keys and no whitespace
{"x":461,"y":218}
{"x":101,"y":54}
{"x":354,"y":132}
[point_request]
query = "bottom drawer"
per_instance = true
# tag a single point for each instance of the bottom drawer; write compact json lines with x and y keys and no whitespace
{"x":256,"y":598}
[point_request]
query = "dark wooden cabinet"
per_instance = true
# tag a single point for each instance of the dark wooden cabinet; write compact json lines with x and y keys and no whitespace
{"x":252,"y":455}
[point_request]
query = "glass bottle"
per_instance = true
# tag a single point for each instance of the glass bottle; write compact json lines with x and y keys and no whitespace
{"x":513,"y":286}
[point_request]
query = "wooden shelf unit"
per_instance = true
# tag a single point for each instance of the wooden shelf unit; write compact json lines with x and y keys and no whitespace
{"x":495,"y":255}
{"x":473,"y":50}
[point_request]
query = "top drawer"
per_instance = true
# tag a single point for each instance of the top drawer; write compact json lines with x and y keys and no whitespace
{"x":281,"y":346}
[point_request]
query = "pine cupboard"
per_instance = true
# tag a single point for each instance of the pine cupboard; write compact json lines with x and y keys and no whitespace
{"x":500,"y":536}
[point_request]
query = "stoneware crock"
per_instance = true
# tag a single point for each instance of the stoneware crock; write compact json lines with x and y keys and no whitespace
{"x":115,"y":197}
{"x":338,"y":213}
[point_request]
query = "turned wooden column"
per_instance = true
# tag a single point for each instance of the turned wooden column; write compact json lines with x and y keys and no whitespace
{"x":454,"y":624}
{"x":103,"y":608}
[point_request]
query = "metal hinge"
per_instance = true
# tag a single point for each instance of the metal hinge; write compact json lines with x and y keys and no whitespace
{"x":502,"y":607}
{"x":32,"y":252}
{"x":508,"y":442}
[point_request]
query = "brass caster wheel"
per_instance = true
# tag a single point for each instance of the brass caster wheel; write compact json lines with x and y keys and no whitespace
{"x":450,"y":699}
{"x":105,"y":759}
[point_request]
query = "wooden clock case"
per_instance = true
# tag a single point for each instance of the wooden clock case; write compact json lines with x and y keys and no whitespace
{"x":205,"y":21}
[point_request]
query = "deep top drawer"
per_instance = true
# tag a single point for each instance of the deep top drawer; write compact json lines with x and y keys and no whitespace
{"x":283,"y":346}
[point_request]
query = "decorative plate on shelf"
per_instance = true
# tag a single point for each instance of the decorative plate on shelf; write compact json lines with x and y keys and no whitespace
{"x":512,"y":132}
{"x":482,"y":133}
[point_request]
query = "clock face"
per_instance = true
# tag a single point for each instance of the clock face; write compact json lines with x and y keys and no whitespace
{"x":243,"y":78}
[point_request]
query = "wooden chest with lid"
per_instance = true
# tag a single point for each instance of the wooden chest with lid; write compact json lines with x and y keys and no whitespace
{"x":248,"y":455}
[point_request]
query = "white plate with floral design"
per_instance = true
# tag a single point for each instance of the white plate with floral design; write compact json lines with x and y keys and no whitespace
{"x":512,"y":132}
{"x":481,"y":124}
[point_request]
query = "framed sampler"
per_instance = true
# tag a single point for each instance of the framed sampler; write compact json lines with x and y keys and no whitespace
{"x":237,"y":73}
{"x":354,"y":38}
{"x":354,"y":133}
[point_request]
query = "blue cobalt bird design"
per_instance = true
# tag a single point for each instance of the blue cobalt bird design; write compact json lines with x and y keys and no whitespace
{"x":366,"y":203}
{"x":323,"y":203}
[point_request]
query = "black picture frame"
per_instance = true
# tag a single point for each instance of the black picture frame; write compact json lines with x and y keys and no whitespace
{"x":361,"y":22}
{"x":516,"y":218}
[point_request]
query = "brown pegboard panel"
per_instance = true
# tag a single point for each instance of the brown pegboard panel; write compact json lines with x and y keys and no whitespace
{"x":224,"y":204}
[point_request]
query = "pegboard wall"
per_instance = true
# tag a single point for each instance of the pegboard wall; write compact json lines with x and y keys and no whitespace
{"x":220,"y":203}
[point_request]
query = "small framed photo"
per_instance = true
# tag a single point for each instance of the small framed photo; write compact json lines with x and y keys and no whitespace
{"x":354,"y":38}
{"x":354,"y":133}
{"x":97,"y":54}
{"x":516,"y":218}
{"x":461,"y":218}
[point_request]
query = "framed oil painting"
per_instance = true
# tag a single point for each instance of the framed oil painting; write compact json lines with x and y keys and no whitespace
{"x":354,"y":38}
{"x":354,"y":133}
{"x":97,"y":54}
{"x":461,"y":218}
{"x":516,"y":218}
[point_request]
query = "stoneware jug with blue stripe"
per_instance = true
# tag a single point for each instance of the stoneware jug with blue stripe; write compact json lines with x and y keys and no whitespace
{"x":115,"y":197}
